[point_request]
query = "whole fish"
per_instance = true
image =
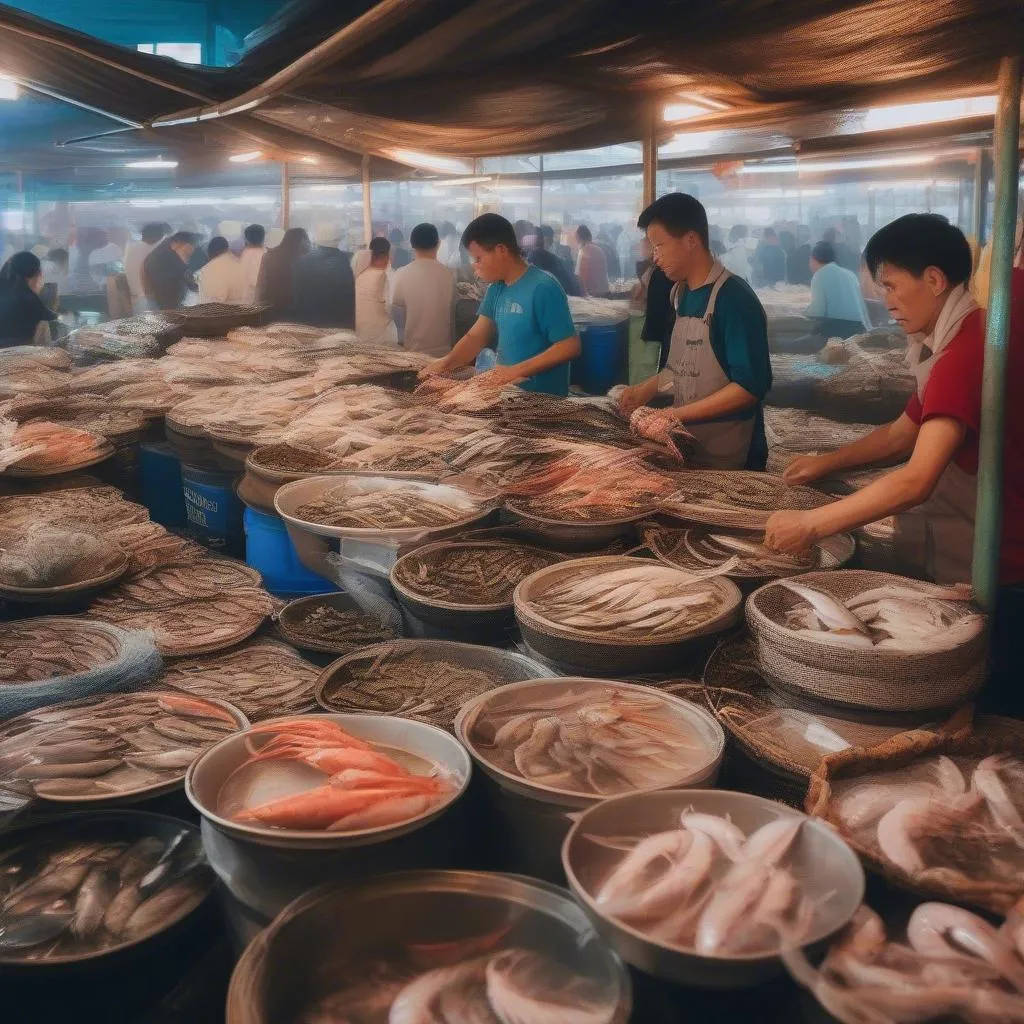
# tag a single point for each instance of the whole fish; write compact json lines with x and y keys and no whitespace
{"x":166,"y":904}
{"x":832,"y":613}
{"x":94,"y":896}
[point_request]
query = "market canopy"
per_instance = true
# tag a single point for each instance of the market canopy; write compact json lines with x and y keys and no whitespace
{"x":469,"y":78}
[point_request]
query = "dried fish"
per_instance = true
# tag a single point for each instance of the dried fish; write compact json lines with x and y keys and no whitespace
{"x":469,"y":573}
{"x":115,"y":749}
{"x":69,"y":899}
{"x":150,"y":546}
{"x":48,"y":647}
{"x":323,"y":624}
{"x":42,"y":447}
{"x":83,"y":507}
{"x":393,"y":508}
{"x":51,"y":556}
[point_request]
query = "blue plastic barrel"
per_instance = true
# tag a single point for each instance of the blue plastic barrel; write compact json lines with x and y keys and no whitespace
{"x":270,"y":551}
{"x":602,"y":361}
{"x":213,"y":510}
{"x":160,"y":484}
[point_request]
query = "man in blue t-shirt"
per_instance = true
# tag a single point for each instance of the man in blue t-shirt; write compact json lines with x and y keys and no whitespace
{"x":524,"y":307}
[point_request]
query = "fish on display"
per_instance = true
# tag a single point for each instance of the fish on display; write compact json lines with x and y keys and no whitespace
{"x":708,"y":887}
{"x":393,"y":508}
{"x":364,"y":785}
{"x":590,"y":739}
{"x":110,"y":746}
{"x":913,"y":616}
{"x":645,"y":599}
{"x":65,"y":898}
{"x":731,"y":553}
{"x":322,"y":623}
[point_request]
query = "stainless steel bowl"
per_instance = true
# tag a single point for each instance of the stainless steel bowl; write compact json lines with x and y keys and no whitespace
{"x":208,"y":774}
{"x":829,"y":871}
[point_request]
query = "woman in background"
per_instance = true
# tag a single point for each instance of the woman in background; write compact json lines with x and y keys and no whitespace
{"x":276,"y":286}
{"x":22,"y":312}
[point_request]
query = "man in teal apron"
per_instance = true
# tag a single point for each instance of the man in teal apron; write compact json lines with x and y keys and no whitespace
{"x":718,"y":370}
{"x":524,"y":308}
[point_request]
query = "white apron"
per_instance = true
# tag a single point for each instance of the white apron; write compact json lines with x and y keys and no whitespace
{"x":936,"y":538}
{"x":693,"y":372}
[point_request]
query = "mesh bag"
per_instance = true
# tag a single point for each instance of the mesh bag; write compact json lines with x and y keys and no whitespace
{"x":62,"y":658}
{"x":937,"y":676}
{"x":334,"y":624}
{"x":51,"y":562}
{"x":429,"y":680}
{"x":937,"y":812}
{"x":736,"y":499}
{"x":262,"y":678}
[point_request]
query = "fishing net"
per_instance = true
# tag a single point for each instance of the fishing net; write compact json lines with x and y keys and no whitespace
{"x":736,"y":499}
{"x":737,"y":554}
{"x":99,"y":507}
{"x":262,"y":678}
{"x":584,"y":737}
{"x":794,"y":432}
{"x":215,"y":319}
{"x":428,"y":680}
{"x":937,"y":812}
{"x":51,"y":559}
{"x":55,"y":658}
{"x":855,"y":480}
{"x":334,"y":624}
{"x":925,"y":671}
{"x":108,"y":747}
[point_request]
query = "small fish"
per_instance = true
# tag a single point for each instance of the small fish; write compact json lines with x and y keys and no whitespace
{"x":121,"y":908}
{"x":165,"y":906}
{"x":94,"y":896}
{"x":832,"y":613}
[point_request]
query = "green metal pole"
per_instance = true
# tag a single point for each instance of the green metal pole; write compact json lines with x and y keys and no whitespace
{"x":987,"y":521}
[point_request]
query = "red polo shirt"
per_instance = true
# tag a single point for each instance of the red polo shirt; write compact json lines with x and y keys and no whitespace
{"x":954,"y":389}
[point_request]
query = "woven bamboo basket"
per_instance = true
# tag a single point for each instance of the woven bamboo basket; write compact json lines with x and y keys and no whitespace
{"x":880,"y":680}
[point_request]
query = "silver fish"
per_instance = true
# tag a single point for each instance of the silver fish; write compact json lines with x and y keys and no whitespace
{"x":832,"y":613}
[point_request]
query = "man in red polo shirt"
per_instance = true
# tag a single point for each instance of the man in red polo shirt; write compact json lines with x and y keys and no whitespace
{"x":923,"y":265}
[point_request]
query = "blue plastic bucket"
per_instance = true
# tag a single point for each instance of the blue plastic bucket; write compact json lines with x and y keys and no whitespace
{"x":160,"y":484}
{"x":270,"y":551}
{"x":213,"y":510}
{"x":602,"y":362}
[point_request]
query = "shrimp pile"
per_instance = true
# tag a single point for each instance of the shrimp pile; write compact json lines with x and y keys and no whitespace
{"x":363,"y":786}
{"x":954,"y":965}
{"x":710,"y":889}
{"x":601,"y":740}
{"x":912,"y":617}
{"x":933,"y":825}
{"x":646,"y":599}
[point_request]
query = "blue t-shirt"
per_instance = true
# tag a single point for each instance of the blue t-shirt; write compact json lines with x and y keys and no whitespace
{"x":531,"y":315}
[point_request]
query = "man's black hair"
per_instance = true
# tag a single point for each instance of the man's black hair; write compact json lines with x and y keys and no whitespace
{"x":824,"y":252}
{"x":152,"y":233}
{"x":184,"y":238}
{"x":424,"y":237}
{"x":583,"y":234}
{"x":490,"y":230}
{"x":918,"y":241}
{"x":379,"y":247}
{"x":677,"y":213}
{"x":218,"y":245}
{"x":547,"y":232}
{"x":255,"y":234}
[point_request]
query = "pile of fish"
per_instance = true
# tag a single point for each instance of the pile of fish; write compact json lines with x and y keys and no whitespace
{"x":647,"y":600}
{"x":34,"y":355}
{"x":290,"y":458}
{"x":416,"y":683}
{"x":105,"y":377}
{"x":29,"y":377}
{"x":52,"y":556}
{"x":513,"y":986}
{"x":928,"y":823}
{"x":150,"y":546}
{"x":501,"y":459}
{"x":707,"y":887}
{"x":85,"y":507}
{"x":110,"y":746}
{"x":590,"y":739}
{"x":393,"y":508}
{"x":364,"y":786}
{"x":731,"y":553}
{"x":735,"y":499}
{"x":51,"y":647}
{"x":470,"y":572}
{"x":322,"y":624}
{"x":954,"y":965}
{"x":913,"y":616}
{"x":66,"y":898}
{"x":465,"y":396}
{"x":262,"y":678}
{"x":40,"y":447}
{"x":592,"y":483}
{"x":200,"y":606}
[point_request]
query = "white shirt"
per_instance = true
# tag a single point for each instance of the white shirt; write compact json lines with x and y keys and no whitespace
{"x":424,"y":291}
{"x":250,"y":261}
{"x":222,"y":280}
{"x":736,"y":259}
{"x":373,"y":322}
{"x":133,"y":260}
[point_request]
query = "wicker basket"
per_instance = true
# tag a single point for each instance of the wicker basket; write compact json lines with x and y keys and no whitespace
{"x":583,"y":651}
{"x":880,"y":680}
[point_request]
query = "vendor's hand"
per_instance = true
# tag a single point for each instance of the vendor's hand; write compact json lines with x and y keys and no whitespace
{"x":805,"y":469}
{"x":630,"y":400}
{"x":792,"y":533}
{"x":499,"y":377}
{"x":652,"y":424}
{"x":434,"y":368}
